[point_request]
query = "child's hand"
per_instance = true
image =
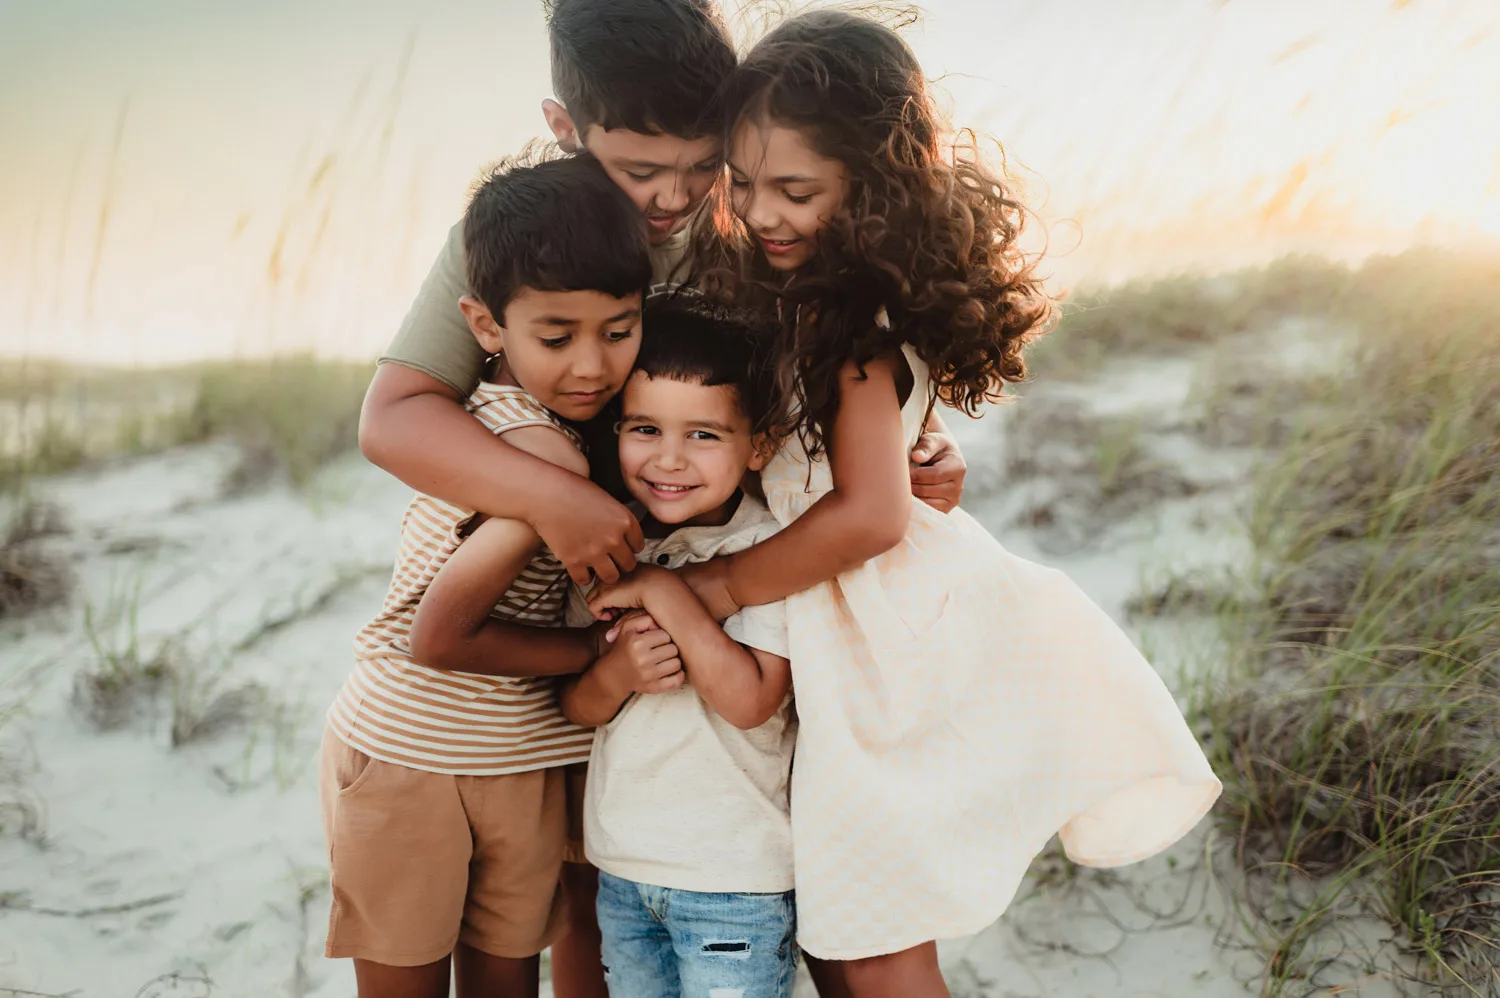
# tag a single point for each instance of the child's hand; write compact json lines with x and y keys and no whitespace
{"x":644,"y":657}
{"x":937,"y":471}
{"x":608,"y":602}
{"x":592,"y":532}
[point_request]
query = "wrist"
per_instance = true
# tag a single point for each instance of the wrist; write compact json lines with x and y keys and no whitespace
{"x":722,"y":575}
{"x":595,"y":635}
{"x":612,"y":673}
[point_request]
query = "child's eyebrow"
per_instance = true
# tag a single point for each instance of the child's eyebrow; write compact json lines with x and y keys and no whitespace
{"x":793,"y":178}
{"x":709,"y":424}
{"x":569,"y":321}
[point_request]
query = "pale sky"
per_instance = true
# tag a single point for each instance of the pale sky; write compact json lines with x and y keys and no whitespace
{"x":285,"y":171}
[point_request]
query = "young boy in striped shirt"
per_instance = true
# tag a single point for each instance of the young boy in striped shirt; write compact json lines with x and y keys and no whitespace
{"x":444,"y":768}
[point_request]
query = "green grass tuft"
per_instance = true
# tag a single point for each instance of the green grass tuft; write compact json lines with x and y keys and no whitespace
{"x":288,"y":415}
{"x":1358,"y":735}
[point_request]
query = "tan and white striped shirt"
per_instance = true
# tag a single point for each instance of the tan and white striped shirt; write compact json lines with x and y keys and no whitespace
{"x":396,"y":710}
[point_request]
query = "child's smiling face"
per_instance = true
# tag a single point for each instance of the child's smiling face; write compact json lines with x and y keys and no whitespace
{"x":685,"y":447}
{"x":571,"y":350}
{"x":783,"y":189}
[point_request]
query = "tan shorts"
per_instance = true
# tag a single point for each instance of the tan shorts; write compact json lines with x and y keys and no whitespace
{"x":422,"y":861}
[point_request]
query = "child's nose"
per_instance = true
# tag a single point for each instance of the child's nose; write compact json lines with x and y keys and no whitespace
{"x":671,"y":455}
{"x":673,"y":195}
{"x":588,"y":362}
{"x":760,"y":216}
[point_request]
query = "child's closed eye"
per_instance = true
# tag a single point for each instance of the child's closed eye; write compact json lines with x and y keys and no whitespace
{"x":555,"y":342}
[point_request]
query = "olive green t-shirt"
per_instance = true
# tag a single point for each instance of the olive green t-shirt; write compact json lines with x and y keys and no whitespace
{"x":435,"y":339}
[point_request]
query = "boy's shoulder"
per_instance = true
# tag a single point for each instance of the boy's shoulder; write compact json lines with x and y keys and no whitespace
{"x":505,"y":407}
{"x":528,"y":425}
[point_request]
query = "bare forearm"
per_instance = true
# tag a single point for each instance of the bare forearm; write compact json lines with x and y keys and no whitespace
{"x":835,"y":535}
{"x":440,"y":450}
{"x":724,"y":673}
{"x":499,"y":648}
{"x":593,"y":699}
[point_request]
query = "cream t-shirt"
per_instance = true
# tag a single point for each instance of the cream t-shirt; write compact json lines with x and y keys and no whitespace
{"x":677,"y":796}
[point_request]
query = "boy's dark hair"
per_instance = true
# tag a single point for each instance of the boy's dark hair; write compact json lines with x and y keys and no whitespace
{"x":652,"y":66}
{"x":686,"y":337}
{"x":552,"y":223}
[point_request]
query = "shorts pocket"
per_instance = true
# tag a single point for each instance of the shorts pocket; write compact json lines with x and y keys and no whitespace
{"x":354,"y":771}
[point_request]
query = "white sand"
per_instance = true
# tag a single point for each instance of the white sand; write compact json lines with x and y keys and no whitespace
{"x":206,"y":861}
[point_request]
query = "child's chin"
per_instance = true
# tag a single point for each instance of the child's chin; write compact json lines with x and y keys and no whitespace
{"x":671,"y":512}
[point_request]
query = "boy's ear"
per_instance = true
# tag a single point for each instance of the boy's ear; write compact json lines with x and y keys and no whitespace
{"x":763,"y":448}
{"x":489,"y":333}
{"x":561,"y":123}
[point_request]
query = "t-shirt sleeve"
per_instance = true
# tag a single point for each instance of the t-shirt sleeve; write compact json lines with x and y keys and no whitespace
{"x":434,"y":338}
{"x":762,"y":627}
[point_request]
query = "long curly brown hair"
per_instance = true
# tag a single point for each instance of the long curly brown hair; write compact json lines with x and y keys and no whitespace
{"x":926,"y":231}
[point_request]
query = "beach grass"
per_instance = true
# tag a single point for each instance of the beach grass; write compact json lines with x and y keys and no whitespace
{"x":1357,"y":730}
{"x":289,"y":416}
{"x":1159,"y":316}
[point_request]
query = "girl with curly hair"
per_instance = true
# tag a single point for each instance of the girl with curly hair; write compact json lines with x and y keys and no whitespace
{"x":959,"y":705}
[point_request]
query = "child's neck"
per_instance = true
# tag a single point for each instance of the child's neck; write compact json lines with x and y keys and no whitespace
{"x":497,"y":372}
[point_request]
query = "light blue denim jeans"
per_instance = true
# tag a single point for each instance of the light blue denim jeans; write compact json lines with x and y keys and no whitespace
{"x":665,"y":943}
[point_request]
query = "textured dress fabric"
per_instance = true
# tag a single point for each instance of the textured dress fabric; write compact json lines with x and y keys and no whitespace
{"x":960,"y":705}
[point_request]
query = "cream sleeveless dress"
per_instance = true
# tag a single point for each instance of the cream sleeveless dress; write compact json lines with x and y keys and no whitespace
{"x":960,"y":705}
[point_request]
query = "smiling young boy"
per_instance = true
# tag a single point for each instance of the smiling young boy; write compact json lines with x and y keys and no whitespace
{"x":687,"y":813}
{"x":443,"y":768}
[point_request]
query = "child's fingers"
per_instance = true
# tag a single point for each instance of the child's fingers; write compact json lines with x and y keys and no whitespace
{"x":651,"y":639}
{"x":648,"y":653}
{"x":638,"y":623}
{"x":935,"y":474}
{"x":582,"y":573}
{"x":629,"y":623}
{"x":937,"y":493}
{"x":651,"y":672}
{"x":666,"y":684}
{"x":665,"y":654}
{"x":930,"y":446}
{"x":623,"y":552}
